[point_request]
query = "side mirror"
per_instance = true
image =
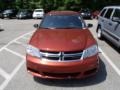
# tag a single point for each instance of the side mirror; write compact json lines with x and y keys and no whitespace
{"x":36,"y":25}
{"x":116,"y":19}
{"x":89,"y":25}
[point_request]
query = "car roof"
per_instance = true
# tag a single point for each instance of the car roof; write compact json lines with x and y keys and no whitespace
{"x":112,"y":7}
{"x":39,"y":9}
{"x":62,"y":13}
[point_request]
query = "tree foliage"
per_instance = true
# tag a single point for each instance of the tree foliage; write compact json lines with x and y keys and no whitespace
{"x":57,"y":4}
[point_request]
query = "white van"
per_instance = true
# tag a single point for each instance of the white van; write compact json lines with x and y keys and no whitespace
{"x":38,"y":13}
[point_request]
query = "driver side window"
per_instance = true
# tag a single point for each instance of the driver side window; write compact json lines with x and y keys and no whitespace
{"x":117,"y":13}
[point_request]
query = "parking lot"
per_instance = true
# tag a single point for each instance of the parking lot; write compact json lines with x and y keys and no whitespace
{"x":13,"y":74}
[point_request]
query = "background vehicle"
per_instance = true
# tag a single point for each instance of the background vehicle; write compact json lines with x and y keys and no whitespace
{"x":24,"y":14}
{"x":85,"y":13}
{"x":9,"y":13}
{"x":38,"y":13}
{"x":62,"y":48}
{"x":109,"y":24}
{"x":1,"y":11}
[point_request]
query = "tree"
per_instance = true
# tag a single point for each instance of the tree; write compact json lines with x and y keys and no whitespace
{"x":57,"y":4}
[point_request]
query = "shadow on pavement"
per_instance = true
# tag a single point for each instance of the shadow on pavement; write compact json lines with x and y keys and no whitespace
{"x":1,"y":30}
{"x":96,"y":79}
{"x":112,"y":45}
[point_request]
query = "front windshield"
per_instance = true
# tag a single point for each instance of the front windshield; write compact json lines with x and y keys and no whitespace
{"x":22,"y":12}
{"x":62,"y":21}
{"x":85,"y":10}
{"x":25,"y":12}
{"x":38,"y":10}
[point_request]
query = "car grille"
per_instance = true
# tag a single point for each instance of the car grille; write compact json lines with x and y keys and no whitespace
{"x":61,"y":56}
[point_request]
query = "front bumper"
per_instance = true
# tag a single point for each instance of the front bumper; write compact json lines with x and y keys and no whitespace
{"x":38,"y":16}
{"x":21,"y":17}
{"x":62,"y":70}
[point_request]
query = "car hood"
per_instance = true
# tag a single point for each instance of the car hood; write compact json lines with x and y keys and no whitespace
{"x":61,"y":39}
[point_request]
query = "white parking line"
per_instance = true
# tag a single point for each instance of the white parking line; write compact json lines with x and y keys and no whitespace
{"x":26,"y":38}
{"x":15,"y":53}
{"x":4,"y":74}
{"x":110,"y":62}
{"x":15,"y":40}
{"x":5,"y":83}
{"x":24,"y":45}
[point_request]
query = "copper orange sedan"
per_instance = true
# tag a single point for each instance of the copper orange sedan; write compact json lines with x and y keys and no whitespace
{"x":62,"y":48}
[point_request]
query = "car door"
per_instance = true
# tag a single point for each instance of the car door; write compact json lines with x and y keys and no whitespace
{"x":108,"y":21}
{"x":101,"y":18}
{"x":116,"y":25}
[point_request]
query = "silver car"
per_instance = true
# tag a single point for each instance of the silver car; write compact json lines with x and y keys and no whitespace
{"x":109,"y":24}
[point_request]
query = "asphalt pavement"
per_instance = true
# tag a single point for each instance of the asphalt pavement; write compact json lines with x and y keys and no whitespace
{"x":13,"y":74}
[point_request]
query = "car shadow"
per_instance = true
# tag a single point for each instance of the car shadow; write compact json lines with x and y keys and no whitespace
{"x":1,"y":30}
{"x":112,"y":46}
{"x":96,"y":79}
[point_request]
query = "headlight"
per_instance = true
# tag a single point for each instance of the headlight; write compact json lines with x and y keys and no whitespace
{"x":31,"y":50}
{"x":91,"y":51}
{"x":82,"y":13}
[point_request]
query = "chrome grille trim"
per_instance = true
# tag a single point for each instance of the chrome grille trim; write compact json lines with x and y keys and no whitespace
{"x":49,"y":54}
{"x":77,"y":54}
{"x":61,"y":56}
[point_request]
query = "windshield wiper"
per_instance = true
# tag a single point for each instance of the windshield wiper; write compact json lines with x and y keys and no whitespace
{"x":48,"y":27}
{"x":71,"y":27}
{"x":60,"y":27}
